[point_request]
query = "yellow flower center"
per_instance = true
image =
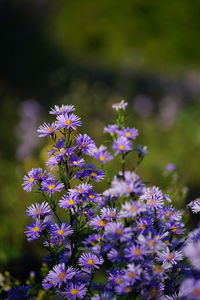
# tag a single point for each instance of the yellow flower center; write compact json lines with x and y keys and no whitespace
{"x":91,"y":196}
{"x":196,"y":292}
{"x":75,"y":163}
{"x":62,"y":275}
{"x":83,"y":145}
{"x":51,"y":186}
{"x":90,"y":261}
{"x":121,"y":147}
{"x":71,"y":202}
{"x":174,"y":228}
{"x":133,"y":208}
{"x":60,"y":232}
{"x":158,"y":269}
{"x":128,"y":289}
{"x":93,"y":174}
{"x":168,"y":213}
{"x":151,"y":202}
{"x":101,"y":223}
{"x":119,"y":231}
{"x":118,"y":280}
{"x":50,"y":129}
{"x":36,"y":228}
{"x":143,"y":226}
{"x":131,"y":274}
{"x":137,"y":252}
{"x":31,"y":179}
{"x":74,"y":292}
{"x":38,"y":211}
{"x":68,"y":122}
{"x":170,"y":256}
{"x":102,"y":158}
{"x":128,"y":134}
{"x":151,"y":243}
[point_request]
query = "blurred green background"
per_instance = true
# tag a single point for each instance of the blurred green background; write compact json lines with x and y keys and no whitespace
{"x":93,"y":54}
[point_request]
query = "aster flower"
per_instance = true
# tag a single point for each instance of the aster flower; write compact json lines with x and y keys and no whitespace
{"x":89,"y":260}
{"x":152,"y":242}
{"x":112,"y":129}
{"x":76,"y":161}
{"x":58,"y":275}
{"x":47,"y":129}
{"x":116,"y":256}
{"x":135,"y":252}
{"x":192,"y":251}
{"x":170,"y":257}
{"x":61,"y":230}
{"x":131,"y":209}
{"x":153,"y":197}
{"x":104,"y":296}
{"x":190,"y":288}
{"x":63,"y":109}
{"x":86,"y":144}
{"x":91,"y":172}
{"x":80,"y":190}
{"x":68,"y":201}
{"x":109,"y":213}
{"x":195,"y":206}
{"x":68,"y":121}
{"x":122,"y":144}
{"x":34,"y":230}
{"x":144,"y":224}
{"x":36,"y":174}
{"x":102,"y":155}
{"x":117,"y":231}
{"x":52,"y":186}
{"x":97,"y":222}
{"x":75,"y":291}
{"x":130,"y":133}
{"x":120,"y":106}
{"x":38,"y":209}
{"x":19,"y":292}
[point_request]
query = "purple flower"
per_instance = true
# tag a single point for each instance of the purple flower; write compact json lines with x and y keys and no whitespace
{"x":132,"y":273}
{"x":190,"y":288}
{"x":131,"y":209}
{"x":153,"y":197}
{"x":61,"y":230}
{"x":112,"y":129}
{"x":58,"y":276}
{"x":19,"y":292}
{"x":38,"y":209}
{"x":68,"y":121}
{"x":169,"y":257}
{"x":34,"y":230}
{"x":135,"y":252}
{"x":103,"y":296}
{"x":102,"y":155}
{"x":89,"y":260}
{"x":69,"y":201}
{"x":86,"y":144}
{"x":120,"y":106}
{"x":76,"y":161}
{"x":117,"y":231}
{"x":122,"y":144}
{"x":98,"y":222}
{"x":192,"y":251}
{"x":130,"y":133}
{"x":195,"y":206}
{"x":64,"y":109}
{"x":91,"y":172}
{"x":47,"y":129}
{"x":75,"y":291}
{"x":52,"y":186}
{"x":80,"y":190}
{"x":109,"y":213}
{"x":36,"y":174}
{"x":170,"y":167}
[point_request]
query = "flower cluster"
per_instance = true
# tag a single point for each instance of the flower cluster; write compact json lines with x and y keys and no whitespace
{"x":130,"y":236}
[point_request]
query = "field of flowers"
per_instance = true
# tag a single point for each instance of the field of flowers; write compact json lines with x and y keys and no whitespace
{"x":126,"y":240}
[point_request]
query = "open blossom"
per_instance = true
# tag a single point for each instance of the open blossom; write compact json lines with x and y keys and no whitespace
{"x":86,"y":144}
{"x":68,"y":121}
{"x":75,"y":291}
{"x":121,"y":105}
{"x":131,"y":209}
{"x":69,"y":201}
{"x":192,"y":251}
{"x":195,"y":206}
{"x":34,"y":230}
{"x":63,"y":109}
{"x":130,"y":133}
{"x":37,"y":209}
{"x":52,"y":186}
{"x":63,"y":230}
{"x":170,"y":257}
{"x":112,"y":129}
{"x":58,"y":275}
{"x":102,"y":155}
{"x":122,"y":144}
{"x":190,"y":288}
{"x":104,"y":295}
{"x":117,"y":231}
{"x":91,"y":261}
{"x":153,"y":197}
{"x":47,"y":129}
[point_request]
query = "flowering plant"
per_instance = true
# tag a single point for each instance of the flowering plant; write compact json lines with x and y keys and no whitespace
{"x":128,"y":241}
